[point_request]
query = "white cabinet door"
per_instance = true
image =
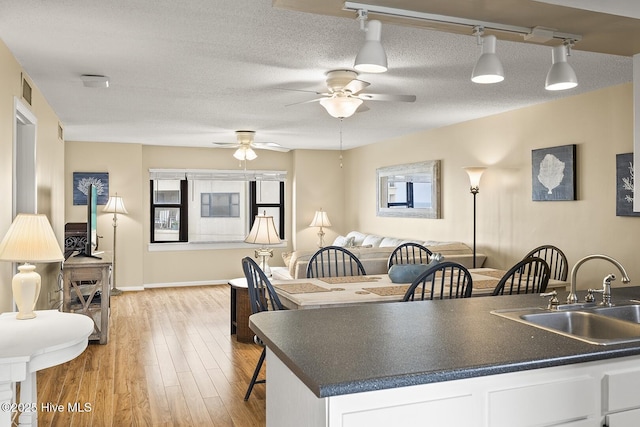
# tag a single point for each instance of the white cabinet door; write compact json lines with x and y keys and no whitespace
{"x":624,"y":419}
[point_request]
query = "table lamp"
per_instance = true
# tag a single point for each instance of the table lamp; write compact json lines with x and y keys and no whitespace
{"x":115,"y":205}
{"x":321,"y":219}
{"x":263,"y":233}
{"x":30,"y":239}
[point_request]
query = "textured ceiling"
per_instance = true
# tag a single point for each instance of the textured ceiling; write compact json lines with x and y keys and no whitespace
{"x":189,"y":73}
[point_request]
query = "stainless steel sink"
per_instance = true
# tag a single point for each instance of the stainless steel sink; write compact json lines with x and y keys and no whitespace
{"x":630,"y":313}
{"x":595,"y":325}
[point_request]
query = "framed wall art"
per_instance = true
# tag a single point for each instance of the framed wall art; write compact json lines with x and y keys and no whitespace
{"x":624,"y":185}
{"x":554,"y":173}
{"x":81,"y":182}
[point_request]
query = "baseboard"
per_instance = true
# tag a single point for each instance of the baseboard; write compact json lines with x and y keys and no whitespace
{"x":181,"y":284}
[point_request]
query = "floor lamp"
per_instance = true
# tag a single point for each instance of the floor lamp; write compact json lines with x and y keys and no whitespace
{"x":115,"y":205}
{"x":474,"y":178}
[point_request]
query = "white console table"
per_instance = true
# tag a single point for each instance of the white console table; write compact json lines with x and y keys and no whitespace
{"x":26,"y":346}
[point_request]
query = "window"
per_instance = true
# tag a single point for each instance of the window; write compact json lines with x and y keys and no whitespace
{"x":219,"y":204}
{"x":216,"y":206}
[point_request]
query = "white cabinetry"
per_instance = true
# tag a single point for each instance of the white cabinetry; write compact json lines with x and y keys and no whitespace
{"x":578,"y":395}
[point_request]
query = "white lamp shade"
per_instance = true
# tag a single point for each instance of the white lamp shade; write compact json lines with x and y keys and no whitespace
{"x":320,"y":219}
{"x":561,"y":75}
{"x":372,"y":57}
{"x":245,"y":153}
{"x":488,"y":69}
{"x":475,"y":173}
{"x":30,"y":238}
{"x":263,"y":231}
{"x":341,"y":106}
{"x":115,"y":204}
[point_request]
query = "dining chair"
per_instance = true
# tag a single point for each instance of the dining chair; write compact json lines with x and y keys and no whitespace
{"x":530,"y":275}
{"x":444,"y":280}
{"x":555,"y":258}
{"x":409,"y":253}
{"x":262,"y":297}
{"x":334,"y":261}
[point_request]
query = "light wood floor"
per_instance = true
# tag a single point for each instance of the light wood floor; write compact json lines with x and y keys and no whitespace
{"x":170,"y":361}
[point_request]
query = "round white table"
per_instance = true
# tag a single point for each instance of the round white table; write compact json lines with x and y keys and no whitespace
{"x":26,"y":346}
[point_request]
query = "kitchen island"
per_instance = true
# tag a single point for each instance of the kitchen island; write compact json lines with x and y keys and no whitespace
{"x":450,"y":362}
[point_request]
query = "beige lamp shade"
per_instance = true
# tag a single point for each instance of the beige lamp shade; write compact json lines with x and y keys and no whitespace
{"x":115,"y":205}
{"x":321,"y":219}
{"x":263,"y":231}
{"x":30,"y":238}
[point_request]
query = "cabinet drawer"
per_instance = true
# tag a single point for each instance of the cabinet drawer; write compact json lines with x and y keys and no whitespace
{"x":571,"y":399}
{"x":624,"y":419}
{"x":85,"y":274}
{"x":620,"y":390}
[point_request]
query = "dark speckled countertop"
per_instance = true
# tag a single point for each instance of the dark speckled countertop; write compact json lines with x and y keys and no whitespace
{"x":345,"y":350}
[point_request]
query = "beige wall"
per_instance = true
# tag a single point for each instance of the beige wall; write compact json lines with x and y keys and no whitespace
{"x":509,"y":223}
{"x":49,"y":173}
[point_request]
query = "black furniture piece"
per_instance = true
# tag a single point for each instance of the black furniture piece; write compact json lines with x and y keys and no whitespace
{"x":555,"y":258}
{"x":334,"y":261}
{"x":530,"y":275}
{"x":409,"y":253}
{"x":262,"y":297}
{"x":443,"y":280}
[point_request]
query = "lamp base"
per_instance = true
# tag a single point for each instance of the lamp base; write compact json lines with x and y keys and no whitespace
{"x":264,"y":254}
{"x":26,"y":289}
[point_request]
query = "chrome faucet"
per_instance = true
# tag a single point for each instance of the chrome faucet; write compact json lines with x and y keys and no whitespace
{"x":573,"y":298}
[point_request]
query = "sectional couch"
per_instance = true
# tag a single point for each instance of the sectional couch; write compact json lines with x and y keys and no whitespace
{"x":373,"y":252}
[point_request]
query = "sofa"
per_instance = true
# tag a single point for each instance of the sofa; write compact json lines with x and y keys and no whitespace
{"x":373,"y":252}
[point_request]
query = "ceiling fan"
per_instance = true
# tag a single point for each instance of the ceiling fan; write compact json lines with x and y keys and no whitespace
{"x":343,"y":96}
{"x":246,"y":144}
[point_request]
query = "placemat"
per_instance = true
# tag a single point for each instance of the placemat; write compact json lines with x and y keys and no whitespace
{"x":498,"y":274}
{"x":301,"y":288}
{"x":349,"y":279}
{"x":485,"y":284}
{"x":385,"y":291}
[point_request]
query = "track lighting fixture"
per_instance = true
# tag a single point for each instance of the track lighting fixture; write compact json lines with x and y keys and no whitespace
{"x":561,"y":75}
{"x":372,"y":58}
{"x":488,"y":69}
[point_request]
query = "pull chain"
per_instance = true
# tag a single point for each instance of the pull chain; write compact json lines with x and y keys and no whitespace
{"x":341,"y":119}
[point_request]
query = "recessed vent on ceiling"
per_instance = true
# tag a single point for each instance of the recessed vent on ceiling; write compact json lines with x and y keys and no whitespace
{"x":26,"y":91}
{"x":60,"y":132}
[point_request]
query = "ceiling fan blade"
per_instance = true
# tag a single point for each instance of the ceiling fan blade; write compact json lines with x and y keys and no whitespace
{"x":355,"y":86}
{"x":383,"y":97}
{"x":226,"y":144}
{"x":269,"y":146}
{"x":304,"y":102}
{"x":303,"y":90}
{"x":362,"y":108}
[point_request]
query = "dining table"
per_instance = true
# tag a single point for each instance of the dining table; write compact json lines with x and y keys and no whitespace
{"x":351,"y":290}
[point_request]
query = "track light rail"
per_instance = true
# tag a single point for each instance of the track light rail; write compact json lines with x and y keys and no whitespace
{"x":430,"y":17}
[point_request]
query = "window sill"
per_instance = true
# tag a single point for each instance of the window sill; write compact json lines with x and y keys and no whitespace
{"x":196,"y":246}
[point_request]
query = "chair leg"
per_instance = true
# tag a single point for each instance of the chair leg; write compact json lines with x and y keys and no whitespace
{"x":254,"y":379}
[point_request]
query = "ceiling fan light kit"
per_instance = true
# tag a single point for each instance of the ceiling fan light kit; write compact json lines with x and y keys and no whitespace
{"x":341,"y":106}
{"x":372,"y":58}
{"x":245,"y":153}
{"x":488,"y":69}
{"x":245,"y":145}
{"x":561,"y":75}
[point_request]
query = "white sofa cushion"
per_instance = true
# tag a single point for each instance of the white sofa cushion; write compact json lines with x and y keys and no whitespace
{"x":358,"y":237}
{"x":372,"y":240}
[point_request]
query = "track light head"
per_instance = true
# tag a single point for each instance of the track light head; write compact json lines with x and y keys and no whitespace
{"x":372,"y":58}
{"x":561,"y":75}
{"x":488,"y":69}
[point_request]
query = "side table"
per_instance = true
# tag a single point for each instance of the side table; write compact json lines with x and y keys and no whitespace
{"x":240,"y":310}
{"x":86,"y":289}
{"x":27,"y":346}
